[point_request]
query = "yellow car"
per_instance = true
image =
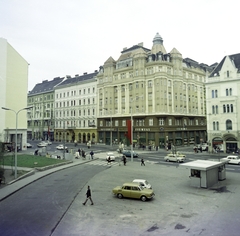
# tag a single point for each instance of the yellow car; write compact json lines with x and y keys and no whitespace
{"x":133,"y":190}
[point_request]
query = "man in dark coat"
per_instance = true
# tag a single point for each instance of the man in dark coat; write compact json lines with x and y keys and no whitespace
{"x":88,"y":194}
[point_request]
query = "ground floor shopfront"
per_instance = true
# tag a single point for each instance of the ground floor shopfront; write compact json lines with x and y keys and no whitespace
{"x":224,"y":142}
{"x":78,"y":135}
{"x":151,"y":136}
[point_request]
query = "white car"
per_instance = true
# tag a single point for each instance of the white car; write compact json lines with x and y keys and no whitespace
{"x":144,"y":183}
{"x":111,"y":155}
{"x":178,"y":154}
{"x":60,"y":147}
{"x":231,"y":159}
{"x":174,"y":157}
{"x":28,"y":145}
{"x":48,"y":142}
{"x":42,"y":144}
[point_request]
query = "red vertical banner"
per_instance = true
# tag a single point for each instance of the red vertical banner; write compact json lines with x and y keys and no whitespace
{"x":129,"y":130}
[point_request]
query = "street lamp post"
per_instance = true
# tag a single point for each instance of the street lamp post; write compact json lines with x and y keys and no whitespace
{"x":16,"y":113}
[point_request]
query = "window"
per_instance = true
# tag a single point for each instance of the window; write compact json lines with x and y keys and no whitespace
{"x":217,"y":125}
{"x":224,"y":109}
{"x":161,"y":121}
{"x":228,"y":108}
{"x":216,"y":93}
{"x":213,"y":109}
{"x":123,"y":122}
{"x":226,"y":92}
{"x":228,"y":125}
{"x":231,"y":107}
{"x":150,"y":84}
{"x":150,"y":122}
{"x":169,"y":121}
{"x":217,"y":109}
{"x":212,"y":93}
{"x":214,"y":127}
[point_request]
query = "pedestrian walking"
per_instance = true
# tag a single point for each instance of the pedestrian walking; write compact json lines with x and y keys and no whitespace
{"x":124,"y":160}
{"x":88,"y":196}
{"x":91,"y":154}
{"x":142,"y":162}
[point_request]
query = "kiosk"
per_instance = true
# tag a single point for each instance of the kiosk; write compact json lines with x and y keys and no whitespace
{"x":204,"y":173}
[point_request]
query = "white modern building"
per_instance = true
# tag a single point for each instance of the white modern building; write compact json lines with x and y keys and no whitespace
{"x":75,"y":109}
{"x":13,"y":94}
{"x":223,"y":104}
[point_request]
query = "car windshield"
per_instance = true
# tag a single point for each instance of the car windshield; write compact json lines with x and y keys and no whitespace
{"x":146,"y":182}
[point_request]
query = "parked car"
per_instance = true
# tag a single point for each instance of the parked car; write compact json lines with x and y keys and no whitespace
{"x":42,"y":144}
{"x":127,"y":153}
{"x":60,"y":147}
{"x":29,"y":145}
{"x":174,"y":157}
{"x":231,"y":159}
{"x":133,"y":190}
{"x":144,"y":183}
{"x":111,"y":155}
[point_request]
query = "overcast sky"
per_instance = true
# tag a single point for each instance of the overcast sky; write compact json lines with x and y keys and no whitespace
{"x":68,"y":37}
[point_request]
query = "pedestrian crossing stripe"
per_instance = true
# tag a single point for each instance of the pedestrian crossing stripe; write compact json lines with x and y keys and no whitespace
{"x":102,"y":163}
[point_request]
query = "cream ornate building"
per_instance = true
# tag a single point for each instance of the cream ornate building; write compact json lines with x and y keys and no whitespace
{"x":223,"y":103}
{"x":162,"y":92}
{"x":13,"y":95}
{"x":75,"y":109}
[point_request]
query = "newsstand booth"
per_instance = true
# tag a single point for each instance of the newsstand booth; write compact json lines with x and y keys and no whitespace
{"x":204,"y":173}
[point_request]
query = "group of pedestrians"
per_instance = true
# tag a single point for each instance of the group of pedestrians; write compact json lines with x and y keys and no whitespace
{"x":82,"y":153}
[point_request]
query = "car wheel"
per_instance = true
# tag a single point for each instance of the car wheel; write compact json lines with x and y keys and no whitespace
{"x":120,"y":195}
{"x":143,"y":198}
{"x":167,"y":159}
{"x":178,"y":161}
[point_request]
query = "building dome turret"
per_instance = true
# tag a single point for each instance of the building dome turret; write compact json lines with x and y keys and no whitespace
{"x":158,"y":45}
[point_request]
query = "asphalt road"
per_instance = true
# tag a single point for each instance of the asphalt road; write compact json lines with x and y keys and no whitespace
{"x":38,"y":208}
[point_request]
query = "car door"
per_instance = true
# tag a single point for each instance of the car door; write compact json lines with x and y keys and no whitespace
{"x":135,"y":193}
{"x":126,"y":191}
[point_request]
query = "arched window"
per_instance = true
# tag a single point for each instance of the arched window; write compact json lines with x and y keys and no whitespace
{"x":216,"y":93}
{"x":227,"y":108}
{"x":226,"y":92}
{"x":217,"y":125}
{"x":228,"y":125}
{"x":214,"y":125}
{"x":212,"y":93}
{"x":224,"y":108}
{"x":213,"y":109}
{"x":217,"y":109}
{"x":231,"y":107}
{"x":230,"y":92}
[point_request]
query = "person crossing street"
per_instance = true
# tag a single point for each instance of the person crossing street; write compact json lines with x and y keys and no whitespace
{"x":88,"y":194}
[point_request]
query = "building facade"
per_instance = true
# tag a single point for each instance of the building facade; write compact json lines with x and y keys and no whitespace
{"x":161,"y":92}
{"x":13,"y":95}
{"x":223,"y":102}
{"x":75,"y":109}
{"x":41,"y":118}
